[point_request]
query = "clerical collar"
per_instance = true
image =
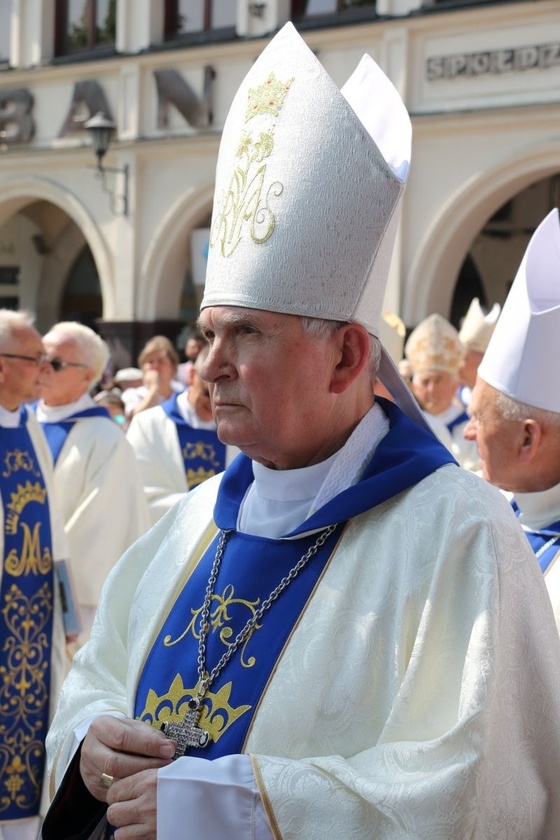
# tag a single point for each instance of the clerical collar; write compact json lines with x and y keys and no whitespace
{"x":539,"y":509}
{"x":279,"y":500}
{"x":10,"y":419}
{"x":56,"y":413}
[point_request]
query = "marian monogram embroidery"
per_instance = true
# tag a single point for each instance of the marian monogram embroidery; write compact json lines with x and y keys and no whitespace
{"x":220,"y":622}
{"x":245,"y":206}
{"x":26,"y":621}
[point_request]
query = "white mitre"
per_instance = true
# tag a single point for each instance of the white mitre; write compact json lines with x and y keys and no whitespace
{"x":309,"y":184}
{"x":521,"y":360}
{"x":477,"y":328}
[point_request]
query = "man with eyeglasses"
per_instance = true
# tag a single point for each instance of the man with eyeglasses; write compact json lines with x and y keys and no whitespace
{"x":177,"y":445}
{"x":31,"y":537}
{"x":96,"y":475}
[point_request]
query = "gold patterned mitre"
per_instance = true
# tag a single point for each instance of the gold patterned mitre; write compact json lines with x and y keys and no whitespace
{"x":434,"y":345}
{"x":309,"y":182}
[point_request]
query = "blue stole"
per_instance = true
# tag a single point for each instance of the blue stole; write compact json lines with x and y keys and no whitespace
{"x":26,"y":623}
{"x":545,"y":542}
{"x":204,"y":455}
{"x":462,"y":418}
{"x":251,"y":568}
{"x":56,"y":433}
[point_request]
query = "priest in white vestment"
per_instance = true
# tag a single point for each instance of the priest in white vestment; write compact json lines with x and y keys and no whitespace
{"x":96,"y":476}
{"x":32,"y":640}
{"x":345,"y":634}
{"x":435,"y":353}
{"x":176,"y":445}
{"x":515,"y":408}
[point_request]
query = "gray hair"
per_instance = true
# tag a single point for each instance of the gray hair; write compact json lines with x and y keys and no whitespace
{"x":93,"y":350}
{"x":324,"y":328}
{"x":517,"y":411}
{"x":10,"y":321}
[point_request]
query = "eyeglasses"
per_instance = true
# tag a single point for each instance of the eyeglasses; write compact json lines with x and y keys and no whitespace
{"x":37,"y":360}
{"x":58,"y":365}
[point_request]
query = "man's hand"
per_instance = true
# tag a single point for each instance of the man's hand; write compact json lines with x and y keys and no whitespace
{"x":133,"y":806}
{"x":121,"y":748}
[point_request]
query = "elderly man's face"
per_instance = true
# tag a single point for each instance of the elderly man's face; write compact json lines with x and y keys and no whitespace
{"x":270,"y":385}
{"x":497,"y":440}
{"x":434,"y":389}
{"x":21,"y":378}
{"x":73,"y":376}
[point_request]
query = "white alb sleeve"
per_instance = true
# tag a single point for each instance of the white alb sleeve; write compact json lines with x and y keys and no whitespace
{"x":214,"y":798}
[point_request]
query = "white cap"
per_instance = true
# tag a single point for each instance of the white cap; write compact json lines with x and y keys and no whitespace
{"x":434,"y":345}
{"x":309,"y":184}
{"x":522,"y":357}
{"x":477,"y":328}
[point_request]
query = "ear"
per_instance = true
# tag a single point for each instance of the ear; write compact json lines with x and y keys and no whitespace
{"x":531,"y":435}
{"x":353,"y":353}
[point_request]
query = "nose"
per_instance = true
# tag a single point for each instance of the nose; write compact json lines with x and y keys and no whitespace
{"x":217,"y":364}
{"x":469,"y":432}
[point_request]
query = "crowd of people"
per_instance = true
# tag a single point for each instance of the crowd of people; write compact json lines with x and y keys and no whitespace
{"x":287,"y":591}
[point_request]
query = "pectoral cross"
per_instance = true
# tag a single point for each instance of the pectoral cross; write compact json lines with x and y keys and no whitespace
{"x":187,"y":733}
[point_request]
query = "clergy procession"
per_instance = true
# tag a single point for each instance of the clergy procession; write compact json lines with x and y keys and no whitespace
{"x":278,"y":591}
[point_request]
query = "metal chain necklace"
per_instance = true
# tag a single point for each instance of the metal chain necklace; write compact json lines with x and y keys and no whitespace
{"x":188,"y":733}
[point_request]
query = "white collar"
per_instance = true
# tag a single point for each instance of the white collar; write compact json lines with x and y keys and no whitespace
{"x":278,"y":501}
{"x":56,"y":413}
{"x":539,"y":509}
{"x":10,"y":419}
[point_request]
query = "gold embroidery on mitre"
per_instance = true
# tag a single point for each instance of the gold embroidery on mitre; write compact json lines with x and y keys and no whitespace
{"x":220,"y":621}
{"x":246,"y":203}
{"x":16,"y":460}
{"x":217,"y":712}
{"x":267,"y":98}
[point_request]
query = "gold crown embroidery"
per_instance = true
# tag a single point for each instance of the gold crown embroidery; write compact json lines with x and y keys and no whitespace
{"x":267,"y":98}
{"x":196,"y":477}
{"x":217,"y":712}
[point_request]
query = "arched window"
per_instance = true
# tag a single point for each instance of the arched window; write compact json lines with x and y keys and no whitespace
{"x":82,"y":299}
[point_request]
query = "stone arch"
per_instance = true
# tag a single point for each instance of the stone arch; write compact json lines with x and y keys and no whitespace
{"x":160,"y":281}
{"x":16,"y":193}
{"x":449,"y":237}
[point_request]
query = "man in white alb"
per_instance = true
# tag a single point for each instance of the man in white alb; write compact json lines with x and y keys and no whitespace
{"x":344,"y":635}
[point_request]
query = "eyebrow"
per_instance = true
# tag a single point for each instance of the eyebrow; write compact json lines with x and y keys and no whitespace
{"x":232,"y":319}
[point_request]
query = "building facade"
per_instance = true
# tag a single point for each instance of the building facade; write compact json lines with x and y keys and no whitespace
{"x":123,"y":249}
